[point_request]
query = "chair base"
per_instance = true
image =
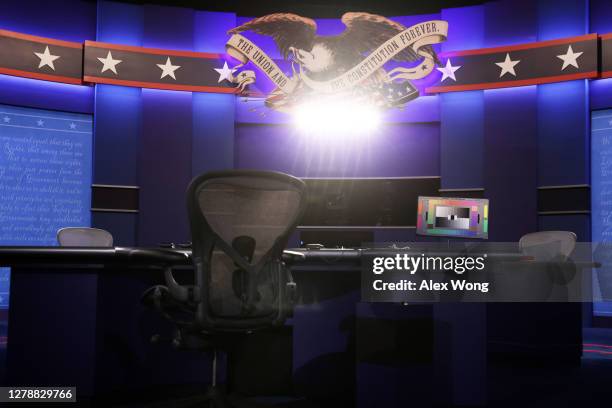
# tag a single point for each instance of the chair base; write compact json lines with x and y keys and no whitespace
{"x":217,"y":398}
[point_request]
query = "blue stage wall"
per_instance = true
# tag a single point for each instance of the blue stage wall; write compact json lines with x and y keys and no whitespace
{"x":507,"y":141}
{"x":211,"y":129}
{"x":166,"y":137}
{"x":45,"y":19}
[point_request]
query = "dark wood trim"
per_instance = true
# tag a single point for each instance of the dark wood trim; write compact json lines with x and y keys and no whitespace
{"x":560,"y":187}
{"x":115,"y":198}
{"x":115,"y":186}
{"x":564,"y":199}
{"x":115,"y":210}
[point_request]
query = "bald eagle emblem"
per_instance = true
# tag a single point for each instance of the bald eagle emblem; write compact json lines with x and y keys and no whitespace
{"x":350,"y":63}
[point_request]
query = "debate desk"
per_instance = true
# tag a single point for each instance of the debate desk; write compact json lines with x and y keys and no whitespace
{"x":75,"y":319}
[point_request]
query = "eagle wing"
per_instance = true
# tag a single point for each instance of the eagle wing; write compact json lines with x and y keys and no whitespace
{"x":288,"y":30}
{"x":365,"y":32}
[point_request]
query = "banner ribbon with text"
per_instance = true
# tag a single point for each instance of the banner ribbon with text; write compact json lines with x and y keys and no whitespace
{"x":415,"y":37}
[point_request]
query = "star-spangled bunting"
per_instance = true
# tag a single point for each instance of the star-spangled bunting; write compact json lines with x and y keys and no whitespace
{"x":570,"y":58}
{"x":517,"y":65}
{"x":225,"y":73}
{"x":388,"y":94}
{"x":168,"y":69}
{"x":154,"y":68}
{"x":109,"y":63}
{"x":46,"y":58}
{"x":448,"y":71}
{"x":507,"y":66}
{"x":36,"y":57}
{"x":41,"y":123}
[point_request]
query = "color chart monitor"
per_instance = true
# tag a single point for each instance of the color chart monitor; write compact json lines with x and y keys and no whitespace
{"x":453,"y":217}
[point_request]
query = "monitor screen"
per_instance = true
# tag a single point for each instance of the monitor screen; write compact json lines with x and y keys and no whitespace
{"x":453,"y":217}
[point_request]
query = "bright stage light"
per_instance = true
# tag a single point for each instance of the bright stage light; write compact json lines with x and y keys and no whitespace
{"x":336,"y":117}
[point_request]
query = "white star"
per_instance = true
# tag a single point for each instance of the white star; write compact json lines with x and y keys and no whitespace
{"x":225,"y":72}
{"x":6,"y":119}
{"x":72,"y":125}
{"x":109,"y":63}
{"x":46,"y":58}
{"x":507,"y":66}
{"x":448,"y":71}
{"x":168,"y":69}
{"x":569,"y":58}
{"x":40,"y":122}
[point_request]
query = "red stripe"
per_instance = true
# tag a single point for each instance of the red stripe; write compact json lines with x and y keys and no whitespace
{"x":510,"y":84}
{"x":606,"y":74}
{"x":253,"y":94}
{"x":43,"y":40}
{"x":39,"y":75}
{"x":596,"y":345}
{"x":156,"y":51}
{"x":606,"y":36}
{"x":520,"y":46}
{"x":155,"y":85}
{"x":598,"y":352}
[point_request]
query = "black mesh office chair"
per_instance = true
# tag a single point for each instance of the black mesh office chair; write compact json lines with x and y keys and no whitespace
{"x":548,"y":245}
{"x":537,"y":331}
{"x":240,"y":222}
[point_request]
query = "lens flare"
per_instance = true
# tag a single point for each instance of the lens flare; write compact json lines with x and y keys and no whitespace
{"x":336,"y":117}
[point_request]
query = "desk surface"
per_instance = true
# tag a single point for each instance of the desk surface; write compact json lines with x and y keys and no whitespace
{"x":137,"y":256}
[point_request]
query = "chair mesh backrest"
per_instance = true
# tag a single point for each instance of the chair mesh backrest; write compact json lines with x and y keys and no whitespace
{"x":252,"y":213}
{"x":548,"y":245}
{"x":84,"y":237}
{"x":249,"y":206}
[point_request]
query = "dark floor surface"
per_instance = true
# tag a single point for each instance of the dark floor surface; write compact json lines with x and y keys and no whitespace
{"x":509,"y":385}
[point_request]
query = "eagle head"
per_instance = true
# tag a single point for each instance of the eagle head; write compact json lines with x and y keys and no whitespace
{"x":319,"y":59}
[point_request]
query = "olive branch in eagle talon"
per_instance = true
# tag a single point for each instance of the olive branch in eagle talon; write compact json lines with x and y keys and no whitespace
{"x":243,"y":79}
{"x":326,"y":57}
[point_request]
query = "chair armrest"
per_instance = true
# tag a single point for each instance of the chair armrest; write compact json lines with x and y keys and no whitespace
{"x":179,"y":292}
{"x":291,"y":257}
